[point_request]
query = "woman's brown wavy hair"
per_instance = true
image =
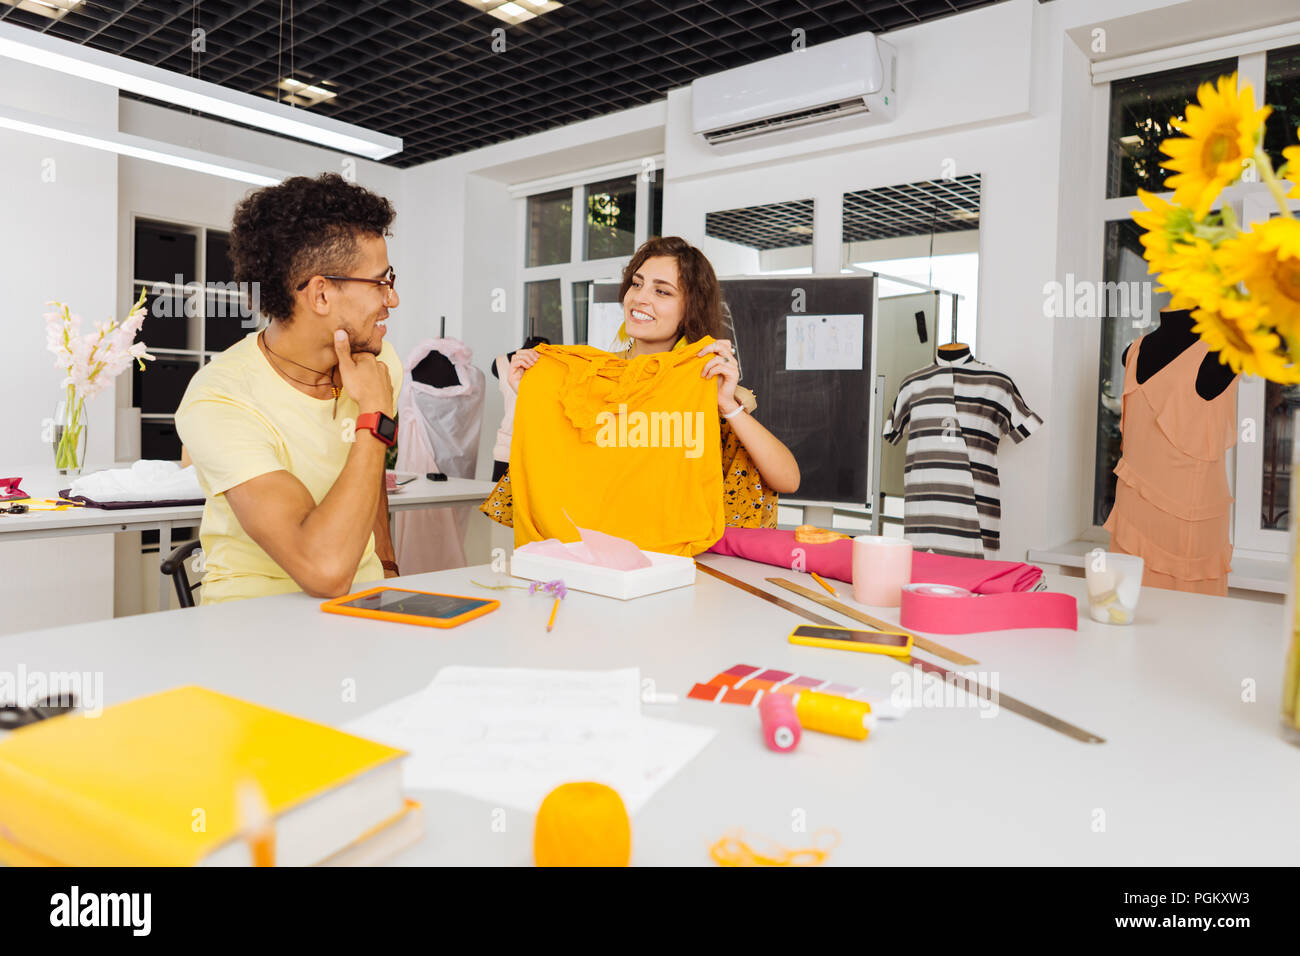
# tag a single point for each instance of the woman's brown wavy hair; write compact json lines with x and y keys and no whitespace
{"x":702,"y":314}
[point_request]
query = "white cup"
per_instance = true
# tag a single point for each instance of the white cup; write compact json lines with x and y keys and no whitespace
{"x":1114,"y":585}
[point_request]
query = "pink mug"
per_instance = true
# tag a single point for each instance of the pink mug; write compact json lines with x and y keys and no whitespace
{"x":881,"y":566}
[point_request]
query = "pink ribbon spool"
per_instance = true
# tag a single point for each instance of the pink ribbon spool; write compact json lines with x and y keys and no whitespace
{"x":780,"y":724}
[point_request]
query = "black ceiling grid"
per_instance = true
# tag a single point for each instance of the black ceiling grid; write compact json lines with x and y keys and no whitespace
{"x":914,"y":209}
{"x":424,"y":70}
{"x":778,"y":225}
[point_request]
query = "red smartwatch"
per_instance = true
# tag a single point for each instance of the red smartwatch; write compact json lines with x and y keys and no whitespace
{"x":379,"y":425}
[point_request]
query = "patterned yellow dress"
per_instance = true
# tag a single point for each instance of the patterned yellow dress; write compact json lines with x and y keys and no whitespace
{"x":746,"y":501}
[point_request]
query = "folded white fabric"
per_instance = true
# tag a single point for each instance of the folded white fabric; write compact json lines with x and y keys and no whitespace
{"x":143,"y":481}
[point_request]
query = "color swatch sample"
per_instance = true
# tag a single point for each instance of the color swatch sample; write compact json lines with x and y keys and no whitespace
{"x":746,"y":684}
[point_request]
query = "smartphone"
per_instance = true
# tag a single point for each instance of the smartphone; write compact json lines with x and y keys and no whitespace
{"x":893,"y":643}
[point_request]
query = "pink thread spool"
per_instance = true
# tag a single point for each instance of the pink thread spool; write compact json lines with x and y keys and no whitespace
{"x":780,"y":724}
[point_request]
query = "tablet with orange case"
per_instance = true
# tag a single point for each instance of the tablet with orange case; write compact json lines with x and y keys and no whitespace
{"x":426,"y":608}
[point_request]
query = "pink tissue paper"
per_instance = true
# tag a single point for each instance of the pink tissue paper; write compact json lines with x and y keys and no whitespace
{"x":596,"y":547}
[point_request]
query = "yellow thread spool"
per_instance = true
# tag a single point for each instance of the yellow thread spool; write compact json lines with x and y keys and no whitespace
{"x":830,"y":714}
{"x":582,"y":824}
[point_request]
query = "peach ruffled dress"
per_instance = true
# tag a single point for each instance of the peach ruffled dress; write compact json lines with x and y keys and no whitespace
{"x":1172,"y":504}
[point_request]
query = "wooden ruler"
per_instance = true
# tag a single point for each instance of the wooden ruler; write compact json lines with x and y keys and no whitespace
{"x":970,"y":686}
{"x":925,"y":644}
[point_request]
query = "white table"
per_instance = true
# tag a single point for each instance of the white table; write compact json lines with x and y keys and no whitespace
{"x":1190,"y":773}
{"x":44,"y":483}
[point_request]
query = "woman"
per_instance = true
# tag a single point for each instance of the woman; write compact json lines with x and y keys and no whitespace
{"x":670,"y":294}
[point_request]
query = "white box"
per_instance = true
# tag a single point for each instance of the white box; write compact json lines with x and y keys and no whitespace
{"x":666,"y":571}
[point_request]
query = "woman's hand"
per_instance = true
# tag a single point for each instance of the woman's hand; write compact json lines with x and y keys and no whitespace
{"x":523,"y":360}
{"x":724,"y":366}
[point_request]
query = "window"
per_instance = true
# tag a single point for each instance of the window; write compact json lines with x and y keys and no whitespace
{"x":611,"y":219}
{"x":1282,"y":92}
{"x":1267,"y":414}
{"x":1281,"y":403}
{"x":565,"y":254}
{"x":772,"y":239}
{"x":925,"y":234}
{"x":657,"y":205}
{"x":550,"y":218}
{"x":1140,"y":110}
{"x":581,"y":299}
{"x":542,"y":309}
{"x":1123,"y":264}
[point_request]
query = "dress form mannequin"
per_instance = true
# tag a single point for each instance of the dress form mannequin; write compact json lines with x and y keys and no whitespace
{"x":1173,"y":337}
{"x":1172,"y":500}
{"x":436,"y":371}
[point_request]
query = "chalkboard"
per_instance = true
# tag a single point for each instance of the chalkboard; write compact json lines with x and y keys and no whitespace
{"x":824,"y":416}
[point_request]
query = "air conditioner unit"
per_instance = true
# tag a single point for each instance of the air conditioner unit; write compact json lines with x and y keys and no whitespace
{"x":853,"y":76}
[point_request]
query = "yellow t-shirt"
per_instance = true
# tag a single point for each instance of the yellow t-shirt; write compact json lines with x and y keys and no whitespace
{"x":239,"y":419}
{"x":630,"y":448}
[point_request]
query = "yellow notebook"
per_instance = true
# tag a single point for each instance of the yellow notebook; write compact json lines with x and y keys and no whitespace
{"x":153,"y":782}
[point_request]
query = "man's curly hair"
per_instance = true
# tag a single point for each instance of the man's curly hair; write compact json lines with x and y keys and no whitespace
{"x":303,"y":227}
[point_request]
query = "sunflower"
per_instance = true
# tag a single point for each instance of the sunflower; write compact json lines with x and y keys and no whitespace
{"x":1193,"y":277}
{"x":1244,"y":342}
{"x":1292,"y":169}
{"x":1222,"y":130}
{"x":1165,"y":225}
{"x":1267,"y":261}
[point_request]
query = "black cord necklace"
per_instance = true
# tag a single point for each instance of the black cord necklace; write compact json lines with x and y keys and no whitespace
{"x":336,"y":389}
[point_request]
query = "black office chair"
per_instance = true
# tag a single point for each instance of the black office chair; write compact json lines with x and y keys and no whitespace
{"x":174,"y":568}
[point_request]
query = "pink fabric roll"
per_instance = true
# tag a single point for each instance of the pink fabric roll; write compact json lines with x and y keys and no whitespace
{"x":835,"y":560}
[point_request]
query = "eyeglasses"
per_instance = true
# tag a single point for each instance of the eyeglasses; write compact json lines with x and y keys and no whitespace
{"x":13,"y":510}
{"x":389,"y":281}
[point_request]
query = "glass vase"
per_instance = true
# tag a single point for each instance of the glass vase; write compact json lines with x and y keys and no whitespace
{"x":69,"y":435}
{"x":1291,"y":682}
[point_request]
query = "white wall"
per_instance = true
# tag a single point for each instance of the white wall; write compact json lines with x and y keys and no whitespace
{"x":58,"y":240}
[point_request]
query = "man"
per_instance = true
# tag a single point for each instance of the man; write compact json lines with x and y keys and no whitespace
{"x":289,"y":427}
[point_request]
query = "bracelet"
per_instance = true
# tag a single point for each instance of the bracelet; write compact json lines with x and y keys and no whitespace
{"x":390,"y":566}
{"x":734,"y":412}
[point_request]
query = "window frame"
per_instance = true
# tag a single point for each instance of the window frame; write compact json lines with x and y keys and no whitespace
{"x":578,"y":270}
{"x":1245,"y":462}
{"x":1249,"y":537}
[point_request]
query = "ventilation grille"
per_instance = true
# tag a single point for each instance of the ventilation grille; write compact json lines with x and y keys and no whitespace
{"x":816,"y":114}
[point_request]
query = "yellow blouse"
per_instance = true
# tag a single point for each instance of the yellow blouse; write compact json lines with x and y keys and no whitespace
{"x":746,"y":501}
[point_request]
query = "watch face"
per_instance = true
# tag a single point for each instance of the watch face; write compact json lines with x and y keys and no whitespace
{"x":387,"y":428}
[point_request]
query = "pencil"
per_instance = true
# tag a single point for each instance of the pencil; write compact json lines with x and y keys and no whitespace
{"x":551,"y":623}
{"x":818,"y":579}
